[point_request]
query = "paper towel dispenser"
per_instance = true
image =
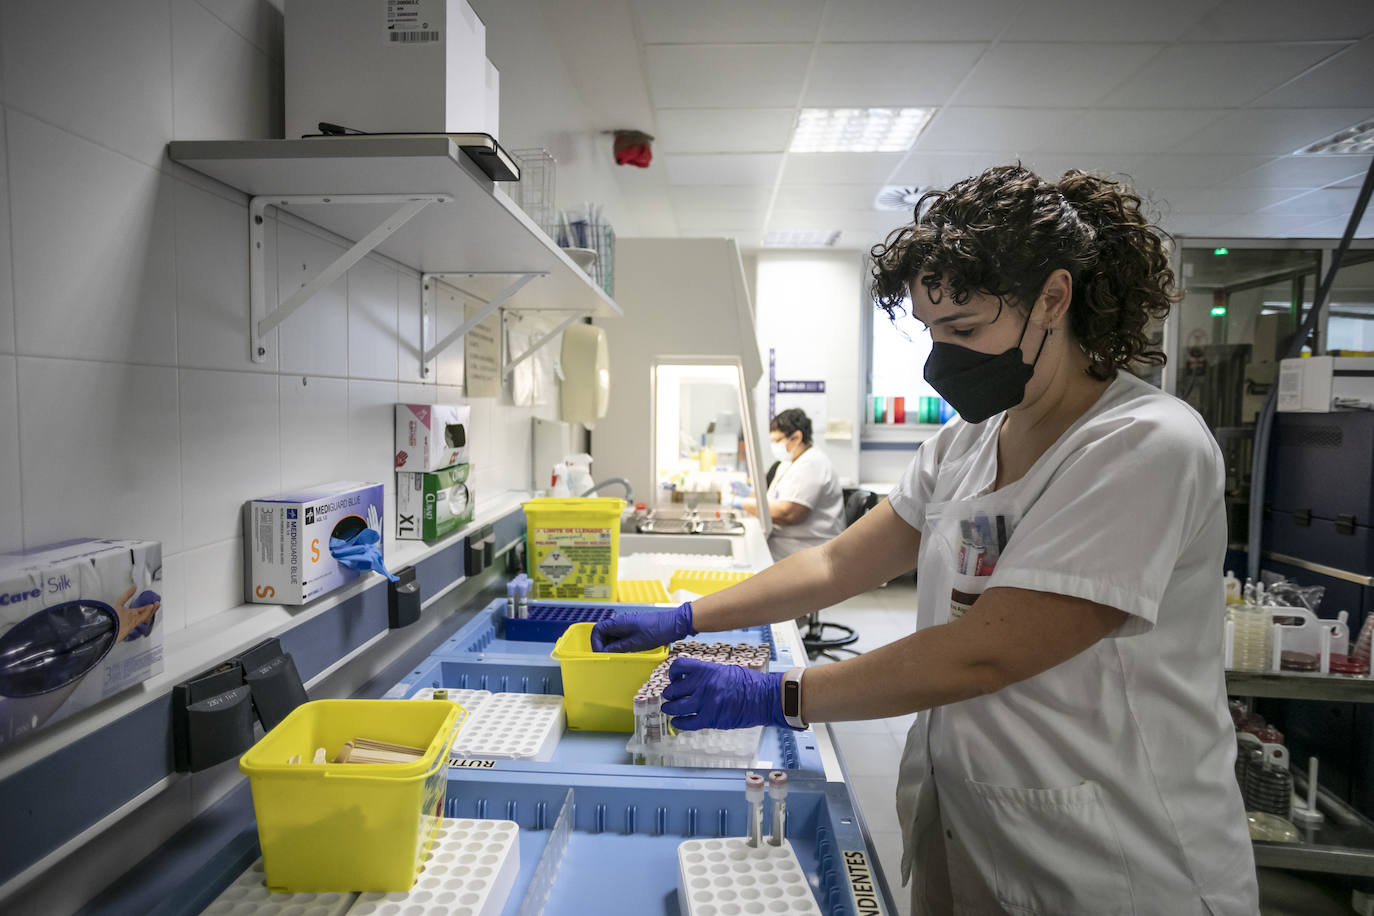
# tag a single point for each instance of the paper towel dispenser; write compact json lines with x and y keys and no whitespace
{"x":586,"y":364}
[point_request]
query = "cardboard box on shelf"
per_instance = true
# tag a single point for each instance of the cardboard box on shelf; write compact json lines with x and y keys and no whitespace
{"x":430,"y":437}
{"x":79,"y":621}
{"x":431,"y":504}
{"x":287,"y":539}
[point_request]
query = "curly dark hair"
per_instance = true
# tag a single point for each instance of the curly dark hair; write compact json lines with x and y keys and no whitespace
{"x":1003,"y":232}
{"x":790,"y":421}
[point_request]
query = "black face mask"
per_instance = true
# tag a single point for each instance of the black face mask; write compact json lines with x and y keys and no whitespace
{"x":977,"y":384}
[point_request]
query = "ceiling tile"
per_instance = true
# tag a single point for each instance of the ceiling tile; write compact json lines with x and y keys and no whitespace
{"x":1343,"y":80}
{"x":707,"y":21}
{"x":1051,"y":166}
{"x":721,"y":197}
{"x":1104,"y":20}
{"x":726,"y":76}
{"x":736,"y":168}
{"x":1335,"y":228}
{"x":1058,"y":74}
{"x":1131,"y":130}
{"x":1266,"y":226}
{"x":826,"y":196}
{"x":903,"y":20}
{"x":940,"y":170}
{"x":1225,"y":201}
{"x":696,"y":220}
{"x":724,"y":130}
{"x":874,"y":75}
{"x":1282,"y":20}
{"x":1302,"y":171}
{"x":1214,"y":75}
{"x":1271,"y":130}
{"x":1189,"y":171}
{"x":839,"y":168}
{"x":1328,"y":203}
{"x":1009,"y":131}
{"x":1194,"y":224}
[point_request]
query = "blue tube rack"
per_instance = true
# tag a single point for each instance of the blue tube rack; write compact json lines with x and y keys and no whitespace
{"x":547,"y":622}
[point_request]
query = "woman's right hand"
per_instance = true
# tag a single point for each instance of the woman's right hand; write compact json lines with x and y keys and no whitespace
{"x":638,"y":631}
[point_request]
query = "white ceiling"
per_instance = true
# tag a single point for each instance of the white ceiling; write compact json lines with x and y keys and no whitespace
{"x":1200,"y":103}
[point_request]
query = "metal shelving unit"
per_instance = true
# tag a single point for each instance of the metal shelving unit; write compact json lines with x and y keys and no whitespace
{"x":1344,"y":843}
{"x":419,"y":201}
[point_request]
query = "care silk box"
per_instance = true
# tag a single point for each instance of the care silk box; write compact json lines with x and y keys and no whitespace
{"x":388,"y":66}
{"x":431,"y":437}
{"x":431,"y":504}
{"x":76,"y":626}
{"x":287,"y":539}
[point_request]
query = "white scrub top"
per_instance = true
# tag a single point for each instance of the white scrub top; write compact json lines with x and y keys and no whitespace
{"x":809,"y":481}
{"x":1105,"y":785}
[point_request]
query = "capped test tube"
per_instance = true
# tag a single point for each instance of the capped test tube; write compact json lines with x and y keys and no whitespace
{"x":777,"y":790}
{"x":753,"y":791}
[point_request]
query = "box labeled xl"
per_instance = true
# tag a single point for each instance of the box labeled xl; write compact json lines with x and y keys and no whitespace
{"x":287,"y":539}
{"x":431,"y":504}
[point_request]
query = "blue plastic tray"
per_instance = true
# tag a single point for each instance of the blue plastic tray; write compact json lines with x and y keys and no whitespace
{"x":481,"y":638}
{"x":621,"y":857}
{"x":591,"y":752}
{"x":547,"y":622}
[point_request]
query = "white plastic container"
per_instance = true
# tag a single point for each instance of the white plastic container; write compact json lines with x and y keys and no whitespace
{"x":730,"y":876}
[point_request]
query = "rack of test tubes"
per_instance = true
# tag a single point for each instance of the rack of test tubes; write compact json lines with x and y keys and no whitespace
{"x":747,"y":874}
{"x":656,"y":743}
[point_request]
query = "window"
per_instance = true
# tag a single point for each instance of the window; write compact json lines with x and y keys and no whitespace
{"x":1350,"y":322}
{"x":898,"y":354}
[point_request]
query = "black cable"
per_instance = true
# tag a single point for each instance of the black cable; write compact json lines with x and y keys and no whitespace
{"x":1264,"y":422}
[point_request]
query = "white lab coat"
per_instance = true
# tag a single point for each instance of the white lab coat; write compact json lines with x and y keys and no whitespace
{"x":1106,"y":784}
{"x":808,"y":481}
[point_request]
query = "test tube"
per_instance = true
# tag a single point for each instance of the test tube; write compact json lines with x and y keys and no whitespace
{"x":522,"y":597}
{"x":753,"y":791}
{"x":777,"y":790}
{"x":641,"y":707}
{"x":511,"y":587}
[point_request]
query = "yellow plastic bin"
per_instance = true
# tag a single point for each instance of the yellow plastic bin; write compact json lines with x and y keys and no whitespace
{"x":573,"y":547}
{"x":599,"y":687}
{"x":705,"y":581}
{"x":338,"y":827}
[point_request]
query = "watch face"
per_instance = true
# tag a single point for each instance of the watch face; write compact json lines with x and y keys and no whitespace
{"x":791,"y":698}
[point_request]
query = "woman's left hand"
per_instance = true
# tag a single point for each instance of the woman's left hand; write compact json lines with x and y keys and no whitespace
{"x":707,"y":695}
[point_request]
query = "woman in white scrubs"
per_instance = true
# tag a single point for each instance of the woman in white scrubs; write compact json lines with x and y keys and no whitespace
{"x":1072,"y":753}
{"x":805,"y":500}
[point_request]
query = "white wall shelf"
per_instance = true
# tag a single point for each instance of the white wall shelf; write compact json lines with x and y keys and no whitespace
{"x":417,"y":200}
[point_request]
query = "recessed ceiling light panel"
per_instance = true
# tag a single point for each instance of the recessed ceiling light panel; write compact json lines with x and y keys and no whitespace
{"x":1353,"y":141}
{"x":802,"y":238}
{"x":858,"y":130}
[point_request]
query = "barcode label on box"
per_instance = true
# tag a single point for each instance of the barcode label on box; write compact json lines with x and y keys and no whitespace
{"x":411,"y":22}
{"x":413,"y":37}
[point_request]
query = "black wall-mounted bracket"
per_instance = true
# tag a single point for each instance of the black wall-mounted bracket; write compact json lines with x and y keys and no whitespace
{"x":403,"y":599}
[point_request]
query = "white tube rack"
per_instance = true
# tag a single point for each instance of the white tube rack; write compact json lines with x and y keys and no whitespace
{"x":730,"y":876}
{"x":248,"y":896}
{"x":470,"y":870}
{"x":513,"y":726}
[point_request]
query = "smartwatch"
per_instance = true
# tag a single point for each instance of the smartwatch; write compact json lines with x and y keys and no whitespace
{"x":791,"y":698}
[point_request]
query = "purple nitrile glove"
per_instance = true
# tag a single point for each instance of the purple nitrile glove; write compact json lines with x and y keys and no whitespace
{"x":708,"y":695}
{"x":638,"y":631}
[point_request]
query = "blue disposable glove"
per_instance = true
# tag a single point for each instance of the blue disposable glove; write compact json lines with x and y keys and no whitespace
{"x":741,"y":488}
{"x":637,"y":631}
{"x":361,"y":551}
{"x":707,"y":695}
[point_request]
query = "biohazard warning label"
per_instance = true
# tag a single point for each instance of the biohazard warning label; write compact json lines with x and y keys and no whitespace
{"x":556,"y":567}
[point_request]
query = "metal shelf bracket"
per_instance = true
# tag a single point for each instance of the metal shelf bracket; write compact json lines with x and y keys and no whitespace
{"x":429,"y":307}
{"x":538,"y":344}
{"x":262,"y":321}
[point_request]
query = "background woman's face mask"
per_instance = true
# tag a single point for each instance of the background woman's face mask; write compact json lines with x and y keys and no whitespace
{"x":779,"y":449}
{"x":978,"y":384}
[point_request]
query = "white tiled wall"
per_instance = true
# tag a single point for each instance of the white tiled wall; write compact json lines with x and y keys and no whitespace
{"x":130,"y":404}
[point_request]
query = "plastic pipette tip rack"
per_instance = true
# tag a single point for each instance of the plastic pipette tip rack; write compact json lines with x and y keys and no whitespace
{"x":248,"y":896}
{"x":730,"y":876}
{"x":469,"y":871}
{"x":513,"y":726}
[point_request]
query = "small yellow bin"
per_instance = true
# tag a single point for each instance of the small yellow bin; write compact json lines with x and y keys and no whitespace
{"x":573,"y":547}
{"x":599,"y":687}
{"x":339,"y":827}
{"x":705,"y":581}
